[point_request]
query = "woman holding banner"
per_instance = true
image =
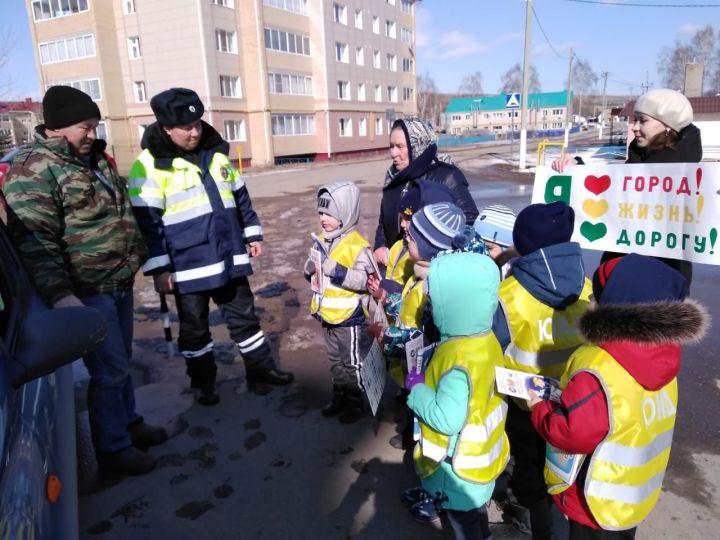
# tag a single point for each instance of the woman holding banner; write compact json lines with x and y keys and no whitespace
{"x":663,"y":132}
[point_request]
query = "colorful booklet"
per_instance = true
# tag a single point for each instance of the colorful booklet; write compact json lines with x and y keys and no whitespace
{"x":565,"y":466}
{"x":518,"y":383}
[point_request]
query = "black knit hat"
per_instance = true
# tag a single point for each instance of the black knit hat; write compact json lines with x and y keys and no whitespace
{"x":542,"y":225}
{"x":176,"y":107}
{"x":64,"y":106}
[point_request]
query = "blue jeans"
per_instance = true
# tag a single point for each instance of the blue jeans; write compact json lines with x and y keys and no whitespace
{"x":111,"y":395}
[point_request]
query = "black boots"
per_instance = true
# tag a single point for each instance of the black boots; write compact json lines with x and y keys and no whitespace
{"x":144,"y":435}
{"x":202,"y":372}
{"x":130,"y":461}
{"x":353,"y":409}
{"x":336,"y":405}
{"x":272,"y":376}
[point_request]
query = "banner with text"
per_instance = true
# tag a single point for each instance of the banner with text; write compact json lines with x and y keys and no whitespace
{"x":661,"y":209}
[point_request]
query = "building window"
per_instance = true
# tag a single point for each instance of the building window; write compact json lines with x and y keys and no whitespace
{"x":378,"y":92}
{"x":102,"y":131}
{"x":226,"y":3}
{"x":557,"y":112}
{"x":139,"y":91}
{"x":407,"y":65}
{"x":230,"y":86}
{"x":391,"y":62}
{"x":296,"y":6}
{"x":406,"y":35}
{"x":360,"y":56}
{"x":280,"y":40}
{"x":51,"y":9}
{"x":378,"y":126}
{"x":67,"y":49}
{"x":289,"y":83}
{"x":408,"y":94}
{"x":376,"y":25}
{"x":361,"y":91}
{"x":234,"y":130}
{"x":90,"y":86}
{"x":133,"y":43}
{"x":358,"y":19}
{"x":345,"y":127}
{"x":128,"y":7}
{"x":376,"y":59}
{"x":343,"y":90}
{"x":226,"y":41}
{"x":293,"y":124}
{"x":406,"y":6}
{"x":390,"y":29}
{"x":341,"y":52}
{"x":362,"y":127}
{"x":340,"y":13}
{"x":392,"y":93}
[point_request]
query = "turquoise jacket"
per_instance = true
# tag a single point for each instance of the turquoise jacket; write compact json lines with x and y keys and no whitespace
{"x":456,"y":282}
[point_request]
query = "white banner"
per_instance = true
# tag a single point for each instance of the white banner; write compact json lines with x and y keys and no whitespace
{"x":660,"y":209}
{"x":373,"y":373}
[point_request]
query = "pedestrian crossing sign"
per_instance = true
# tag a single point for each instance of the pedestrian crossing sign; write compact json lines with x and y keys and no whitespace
{"x":512,"y":100}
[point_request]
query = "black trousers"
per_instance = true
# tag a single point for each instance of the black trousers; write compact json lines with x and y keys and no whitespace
{"x":237,"y":306}
{"x":583,"y":532}
{"x":470,"y":524}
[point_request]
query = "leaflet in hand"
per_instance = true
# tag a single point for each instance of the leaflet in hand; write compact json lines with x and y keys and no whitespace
{"x":518,"y":383}
{"x":318,"y":282}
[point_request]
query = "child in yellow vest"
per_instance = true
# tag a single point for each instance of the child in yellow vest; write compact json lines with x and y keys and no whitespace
{"x":338,"y":269}
{"x":536,"y":324}
{"x":463,"y":447}
{"x":619,"y":397}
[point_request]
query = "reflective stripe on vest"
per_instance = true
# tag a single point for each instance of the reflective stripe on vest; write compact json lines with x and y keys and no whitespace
{"x":336,"y":304}
{"x":542,"y":338}
{"x":482,"y":448}
{"x":626,"y":470}
{"x":400,"y":267}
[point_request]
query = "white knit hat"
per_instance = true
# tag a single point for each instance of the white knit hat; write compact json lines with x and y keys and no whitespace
{"x":670,"y":107}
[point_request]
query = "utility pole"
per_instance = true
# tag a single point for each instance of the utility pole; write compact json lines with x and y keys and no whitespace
{"x":526,"y":82}
{"x":568,"y":102}
{"x":602,"y":111}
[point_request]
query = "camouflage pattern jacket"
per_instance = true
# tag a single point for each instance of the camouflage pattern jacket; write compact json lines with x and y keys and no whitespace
{"x":72,"y":222}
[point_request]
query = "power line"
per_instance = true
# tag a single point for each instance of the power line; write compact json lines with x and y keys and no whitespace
{"x":632,"y":4}
{"x":546,"y":38}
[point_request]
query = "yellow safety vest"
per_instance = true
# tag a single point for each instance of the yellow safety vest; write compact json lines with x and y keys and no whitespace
{"x":336,"y":304}
{"x":482,"y":448}
{"x":414,"y":298}
{"x":627,"y":468}
{"x":400,"y":267}
{"x":541,"y":338}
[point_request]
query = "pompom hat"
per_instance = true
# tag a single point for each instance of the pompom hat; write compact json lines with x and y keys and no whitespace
{"x":670,"y":107}
{"x":495,"y":224}
{"x":438,"y":227}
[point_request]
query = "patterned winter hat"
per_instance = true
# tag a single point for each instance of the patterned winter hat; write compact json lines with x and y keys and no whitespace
{"x":495,"y":224}
{"x":438,"y":227}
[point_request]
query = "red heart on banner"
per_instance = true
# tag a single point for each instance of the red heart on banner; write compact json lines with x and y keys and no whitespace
{"x":597,"y":184}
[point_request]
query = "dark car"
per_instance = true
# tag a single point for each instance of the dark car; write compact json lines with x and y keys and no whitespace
{"x":38,"y":495}
{"x":6,"y":160}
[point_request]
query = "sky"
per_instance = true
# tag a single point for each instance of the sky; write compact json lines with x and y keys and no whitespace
{"x":459,"y":37}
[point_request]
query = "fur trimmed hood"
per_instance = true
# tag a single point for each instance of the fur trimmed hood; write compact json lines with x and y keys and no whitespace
{"x":655,"y":323}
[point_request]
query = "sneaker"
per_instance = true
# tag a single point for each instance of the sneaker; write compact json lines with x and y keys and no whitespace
{"x":413,"y":496}
{"x":145,"y":435}
{"x":425,"y":511}
{"x":129,"y":461}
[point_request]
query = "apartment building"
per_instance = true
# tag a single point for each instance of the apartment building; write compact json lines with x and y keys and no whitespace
{"x":546,"y":112}
{"x":282,"y":80}
{"x":17,"y":120}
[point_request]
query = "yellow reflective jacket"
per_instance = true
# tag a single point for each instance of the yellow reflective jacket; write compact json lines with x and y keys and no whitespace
{"x":541,"y":338}
{"x":335,"y":305}
{"x":627,"y":468}
{"x":400,"y":267}
{"x":482,"y":448}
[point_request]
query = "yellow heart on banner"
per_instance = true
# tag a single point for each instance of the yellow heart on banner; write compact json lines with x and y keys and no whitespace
{"x":595,"y":209}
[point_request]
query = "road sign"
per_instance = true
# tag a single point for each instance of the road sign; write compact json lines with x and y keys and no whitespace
{"x":512,"y":101}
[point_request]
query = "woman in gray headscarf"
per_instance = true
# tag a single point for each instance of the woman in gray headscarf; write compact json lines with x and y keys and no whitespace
{"x":414,"y":154}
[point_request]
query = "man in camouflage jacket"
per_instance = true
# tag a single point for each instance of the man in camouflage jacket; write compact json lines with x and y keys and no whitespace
{"x":71,"y":219}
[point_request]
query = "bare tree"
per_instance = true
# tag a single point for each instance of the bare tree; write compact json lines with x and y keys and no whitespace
{"x":471,"y":85}
{"x":7,"y":42}
{"x":428,"y":102}
{"x":584,"y":80}
{"x":704,"y":47}
{"x":512,"y":80}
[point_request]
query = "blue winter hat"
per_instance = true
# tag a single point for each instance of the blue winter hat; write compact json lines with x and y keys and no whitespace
{"x":177,"y":107}
{"x":438,"y":227}
{"x":495,"y":224}
{"x":638,"y":279}
{"x":541,"y":225}
{"x":422,"y":193}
